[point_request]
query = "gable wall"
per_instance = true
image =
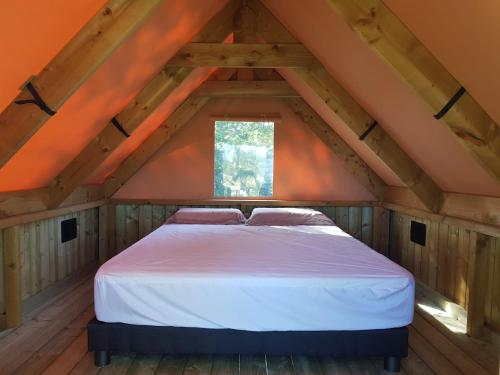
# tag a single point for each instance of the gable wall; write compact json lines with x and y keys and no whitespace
{"x":304,"y":168}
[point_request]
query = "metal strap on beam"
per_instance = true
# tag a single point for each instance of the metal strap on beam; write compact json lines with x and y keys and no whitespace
{"x":119,"y":126}
{"x":37,"y":100}
{"x":450,"y":103}
{"x":368,"y":131}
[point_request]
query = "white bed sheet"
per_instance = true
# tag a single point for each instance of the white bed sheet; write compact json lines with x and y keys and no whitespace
{"x":254,"y":278}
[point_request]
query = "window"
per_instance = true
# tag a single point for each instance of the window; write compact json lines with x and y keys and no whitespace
{"x":244,"y":158}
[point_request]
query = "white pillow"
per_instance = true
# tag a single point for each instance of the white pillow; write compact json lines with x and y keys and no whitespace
{"x":226,"y":216}
{"x":288,"y":216}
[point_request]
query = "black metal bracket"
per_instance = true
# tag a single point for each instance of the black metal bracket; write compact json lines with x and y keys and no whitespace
{"x":37,"y":100}
{"x":368,"y":131}
{"x":450,"y":103}
{"x":117,"y":125}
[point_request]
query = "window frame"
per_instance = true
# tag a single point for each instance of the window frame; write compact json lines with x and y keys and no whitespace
{"x":276,"y":119}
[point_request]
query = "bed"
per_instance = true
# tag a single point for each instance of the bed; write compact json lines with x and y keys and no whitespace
{"x":312,"y":290}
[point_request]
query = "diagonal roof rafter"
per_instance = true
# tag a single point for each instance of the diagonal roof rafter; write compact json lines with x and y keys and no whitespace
{"x":69,"y":69}
{"x":132,"y":116}
{"x":281,"y":50}
{"x":394,"y":43}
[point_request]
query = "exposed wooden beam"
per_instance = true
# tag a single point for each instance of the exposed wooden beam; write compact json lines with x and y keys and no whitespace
{"x":15,"y":203}
{"x":244,"y":202}
{"x":385,"y":34}
{"x":105,"y":219}
{"x":145,"y":103}
{"x":378,"y":140}
{"x":265,"y":74}
{"x":47,"y":214}
{"x":223,"y":74}
{"x":76,"y":62}
{"x":12,"y":276}
{"x":268,"y":26}
{"x":381,"y":229}
{"x":482,"y":209}
{"x":220,"y":89}
{"x":488,"y":229}
{"x":355,"y":117}
{"x":477,"y":282}
{"x":352,"y":162}
{"x":234,"y":55}
{"x":156,"y":140}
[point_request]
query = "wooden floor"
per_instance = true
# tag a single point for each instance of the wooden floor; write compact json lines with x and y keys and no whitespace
{"x":54,"y":342}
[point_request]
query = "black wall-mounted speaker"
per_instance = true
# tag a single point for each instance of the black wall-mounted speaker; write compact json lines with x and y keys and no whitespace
{"x":68,"y":230}
{"x":418,"y":233}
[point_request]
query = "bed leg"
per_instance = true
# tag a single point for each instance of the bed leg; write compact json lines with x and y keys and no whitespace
{"x":102,"y":358}
{"x":392,"y":364}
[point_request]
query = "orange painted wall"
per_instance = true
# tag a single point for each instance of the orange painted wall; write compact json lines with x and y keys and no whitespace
{"x":32,"y":33}
{"x":107,"y":92}
{"x":304,"y":168}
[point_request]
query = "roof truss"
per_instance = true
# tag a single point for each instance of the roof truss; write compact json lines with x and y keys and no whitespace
{"x":354,"y":116}
{"x":284,"y":51}
{"x":387,"y":36}
{"x":246,"y":89}
{"x":131,"y":117}
{"x":243,"y":55}
{"x":155,"y":141}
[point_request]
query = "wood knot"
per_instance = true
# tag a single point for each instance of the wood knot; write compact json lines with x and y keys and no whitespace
{"x":107,"y":11}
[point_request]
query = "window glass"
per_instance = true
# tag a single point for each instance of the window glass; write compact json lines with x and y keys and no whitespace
{"x":244,"y":158}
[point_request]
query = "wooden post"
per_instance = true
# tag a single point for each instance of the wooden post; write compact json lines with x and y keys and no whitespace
{"x":381,"y":230}
{"x":477,"y":279}
{"x":103,"y":233}
{"x":12,"y":277}
{"x":111,"y":230}
{"x":245,"y":31}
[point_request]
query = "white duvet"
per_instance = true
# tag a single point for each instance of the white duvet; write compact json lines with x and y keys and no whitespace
{"x":255,"y":278}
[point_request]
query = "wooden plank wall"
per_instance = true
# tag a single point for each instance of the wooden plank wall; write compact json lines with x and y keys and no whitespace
{"x":443,"y":264}
{"x":2,"y":296}
{"x":492,"y":310}
{"x":45,"y":260}
{"x":136,"y":221}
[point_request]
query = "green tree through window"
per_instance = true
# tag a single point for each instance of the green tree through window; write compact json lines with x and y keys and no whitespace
{"x":244,"y":158}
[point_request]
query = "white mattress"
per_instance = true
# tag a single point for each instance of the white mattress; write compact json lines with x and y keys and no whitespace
{"x":254,"y":278}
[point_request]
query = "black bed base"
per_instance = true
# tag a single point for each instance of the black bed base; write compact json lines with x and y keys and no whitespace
{"x":107,"y":338}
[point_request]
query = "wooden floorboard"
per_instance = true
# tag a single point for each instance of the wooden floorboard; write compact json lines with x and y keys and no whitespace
{"x":55,"y":342}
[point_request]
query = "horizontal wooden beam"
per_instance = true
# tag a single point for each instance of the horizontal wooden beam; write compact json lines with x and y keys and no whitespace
{"x":24,"y":202}
{"x":153,"y":143}
{"x":349,"y":158}
{"x":247,"y":202}
{"x":478,"y":208}
{"x":220,"y":89}
{"x":488,"y":229}
{"x":232,"y":55}
{"x":71,"y":67}
{"x":132,"y":116}
{"x":110,"y":137}
{"x":387,"y":36}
